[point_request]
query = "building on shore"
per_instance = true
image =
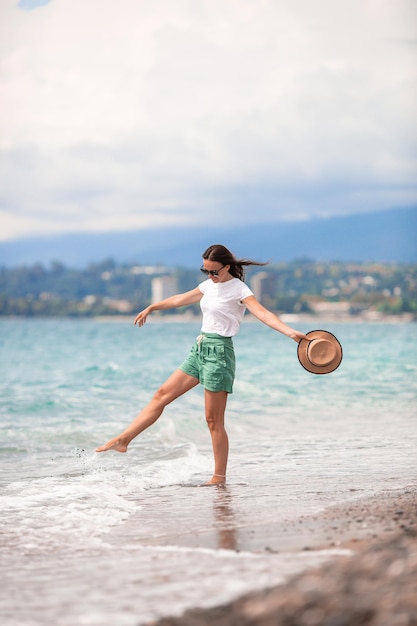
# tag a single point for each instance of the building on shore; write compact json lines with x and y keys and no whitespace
{"x":163,"y":287}
{"x":264,"y":285}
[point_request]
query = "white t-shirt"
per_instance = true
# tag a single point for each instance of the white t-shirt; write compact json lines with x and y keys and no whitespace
{"x":222,"y":306}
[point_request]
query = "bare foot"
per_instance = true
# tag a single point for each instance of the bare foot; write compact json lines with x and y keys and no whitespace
{"x":216,"y":479}
{"x":114,"y":444}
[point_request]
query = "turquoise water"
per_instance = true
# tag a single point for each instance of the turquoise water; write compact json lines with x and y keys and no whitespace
{"x":93,"y":539}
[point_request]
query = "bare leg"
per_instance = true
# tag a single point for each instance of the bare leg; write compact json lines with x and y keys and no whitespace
{"x":176,"y":385}
{"x":215,"y":408}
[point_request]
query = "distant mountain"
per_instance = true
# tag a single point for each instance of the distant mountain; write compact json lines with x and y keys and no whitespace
{"x":384,"y":236}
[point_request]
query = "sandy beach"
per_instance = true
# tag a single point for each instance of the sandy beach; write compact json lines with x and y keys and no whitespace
{"x":373,"y":582}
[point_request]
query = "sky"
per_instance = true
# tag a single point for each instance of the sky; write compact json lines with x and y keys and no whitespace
{"x":129,"y":114}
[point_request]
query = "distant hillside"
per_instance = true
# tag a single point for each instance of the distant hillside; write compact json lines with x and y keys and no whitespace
{"x":385,"y":236}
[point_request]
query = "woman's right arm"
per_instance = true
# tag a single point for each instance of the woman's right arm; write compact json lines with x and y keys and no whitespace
{"x":181,"y":299}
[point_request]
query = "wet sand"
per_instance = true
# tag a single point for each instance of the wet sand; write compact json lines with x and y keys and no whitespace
{"x":374,"y":583}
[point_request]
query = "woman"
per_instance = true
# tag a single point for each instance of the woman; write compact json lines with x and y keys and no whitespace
{"x":223,"y":298}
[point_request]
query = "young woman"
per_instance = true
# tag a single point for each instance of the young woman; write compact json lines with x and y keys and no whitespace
{"x":223,"y":298}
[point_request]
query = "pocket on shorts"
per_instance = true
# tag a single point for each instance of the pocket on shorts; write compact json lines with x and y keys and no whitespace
{"x":216,"y":355}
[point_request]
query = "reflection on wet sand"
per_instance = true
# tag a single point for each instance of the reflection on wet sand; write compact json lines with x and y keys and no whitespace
{"x":224,"y":520}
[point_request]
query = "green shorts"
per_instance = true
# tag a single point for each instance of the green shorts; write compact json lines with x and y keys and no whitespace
{"x":212,"y":361}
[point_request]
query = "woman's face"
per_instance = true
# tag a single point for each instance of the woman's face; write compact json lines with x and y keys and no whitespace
{"x":216,"y":271}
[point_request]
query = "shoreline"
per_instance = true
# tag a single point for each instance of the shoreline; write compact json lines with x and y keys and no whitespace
{"x":372,"y":583}
{"x":347,"y":525}
{"x":289,"y":318}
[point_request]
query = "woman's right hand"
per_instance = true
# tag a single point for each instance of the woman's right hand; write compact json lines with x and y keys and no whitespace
{"x":140,"y":318}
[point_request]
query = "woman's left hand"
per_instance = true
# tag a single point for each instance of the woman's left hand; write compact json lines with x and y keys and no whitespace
{"x":298,"y":336}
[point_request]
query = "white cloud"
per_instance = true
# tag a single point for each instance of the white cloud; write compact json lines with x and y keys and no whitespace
{"x":124,"y":114}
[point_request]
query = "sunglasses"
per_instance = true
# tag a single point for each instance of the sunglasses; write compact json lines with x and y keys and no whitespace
{"x":211,"y":272}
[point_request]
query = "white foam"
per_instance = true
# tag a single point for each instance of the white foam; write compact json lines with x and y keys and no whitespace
{"x":99,"y":492}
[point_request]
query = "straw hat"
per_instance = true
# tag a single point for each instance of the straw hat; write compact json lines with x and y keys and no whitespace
{"x":322,"y":354}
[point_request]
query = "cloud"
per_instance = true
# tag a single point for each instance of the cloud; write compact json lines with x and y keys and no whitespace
{"x":127,"y":114}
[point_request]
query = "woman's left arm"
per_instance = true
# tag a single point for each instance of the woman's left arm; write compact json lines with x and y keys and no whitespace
{"x":272,"y":320}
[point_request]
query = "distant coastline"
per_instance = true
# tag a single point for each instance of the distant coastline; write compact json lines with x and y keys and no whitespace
{"x":369,"y":317}
{"x":302,"y":288}
{"x":290,"y":318}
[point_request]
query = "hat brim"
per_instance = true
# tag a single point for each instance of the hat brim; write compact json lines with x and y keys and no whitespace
{"x":302,"y":353}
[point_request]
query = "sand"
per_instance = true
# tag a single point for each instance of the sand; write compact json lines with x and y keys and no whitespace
{"x":375,"y":584}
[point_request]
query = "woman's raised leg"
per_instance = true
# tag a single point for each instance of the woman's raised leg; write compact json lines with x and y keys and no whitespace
{"x":174,"y":387}
{"x":215,"y":402}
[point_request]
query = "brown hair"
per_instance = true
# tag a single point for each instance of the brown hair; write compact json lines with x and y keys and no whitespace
{"x":220,"y":254}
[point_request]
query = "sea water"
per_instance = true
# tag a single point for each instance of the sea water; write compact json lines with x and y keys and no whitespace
{"x":97,"y":539}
